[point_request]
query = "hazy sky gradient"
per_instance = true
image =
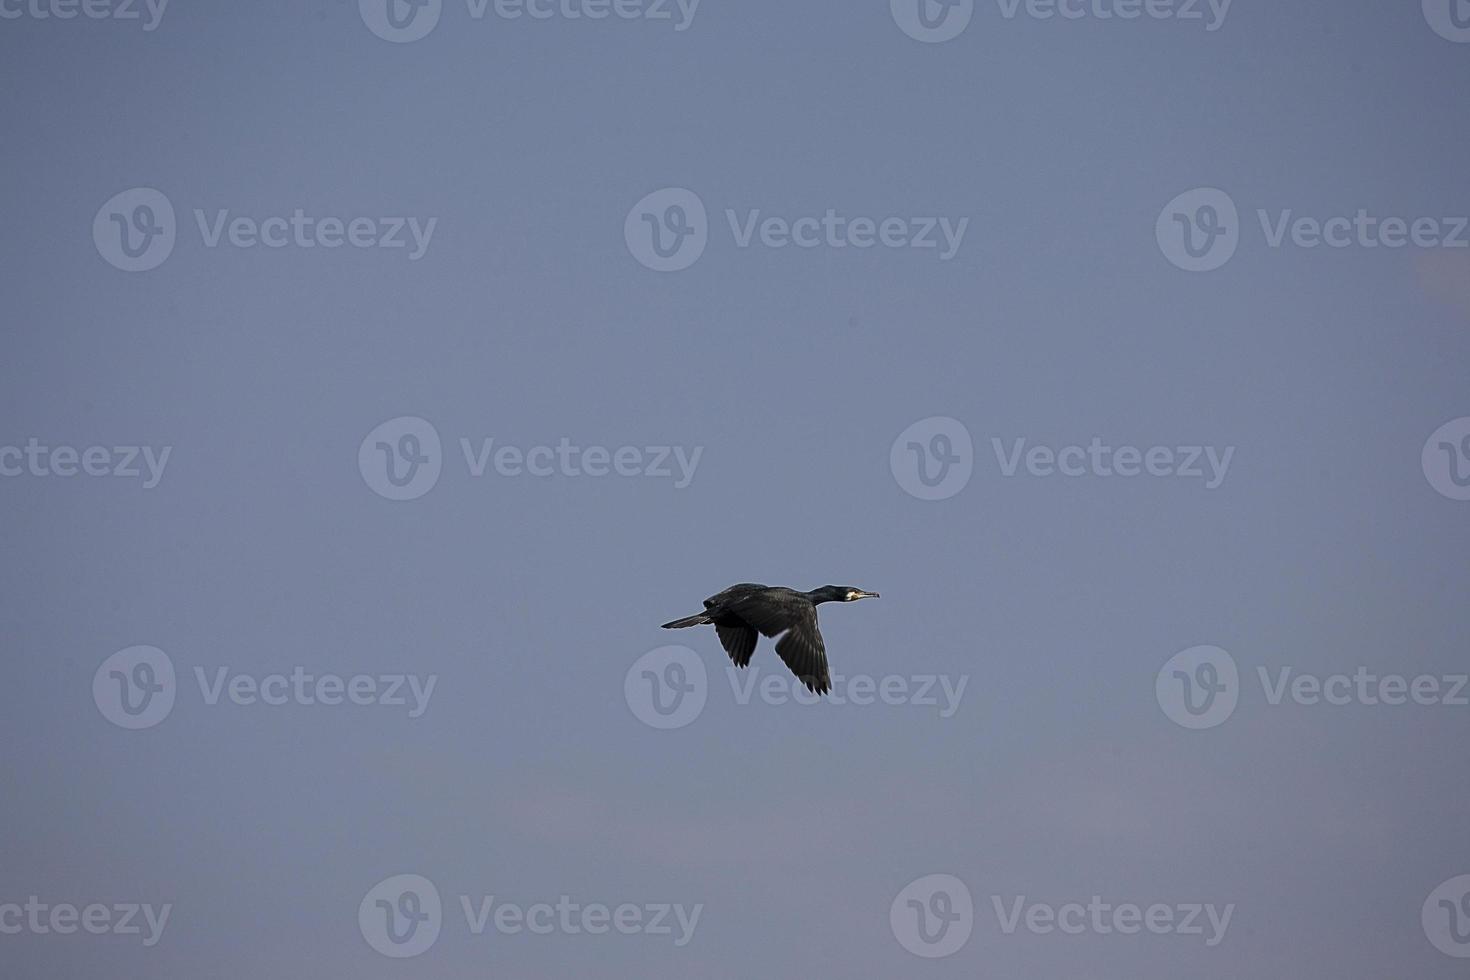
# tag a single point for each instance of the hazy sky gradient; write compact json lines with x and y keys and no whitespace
{"x":529,"y":321}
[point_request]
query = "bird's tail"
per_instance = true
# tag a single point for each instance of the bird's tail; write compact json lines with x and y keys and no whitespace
{"x":699,"y":619}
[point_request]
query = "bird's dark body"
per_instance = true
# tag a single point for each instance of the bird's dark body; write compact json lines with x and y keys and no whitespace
{"x":742,"y":612}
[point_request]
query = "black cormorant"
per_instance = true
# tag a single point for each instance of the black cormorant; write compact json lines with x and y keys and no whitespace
{"x":741,"y":611}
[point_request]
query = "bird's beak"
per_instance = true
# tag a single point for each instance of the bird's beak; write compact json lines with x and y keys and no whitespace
{"x":865,"y":595}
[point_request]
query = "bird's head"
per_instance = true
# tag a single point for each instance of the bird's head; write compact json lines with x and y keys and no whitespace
{"x":841,"y":593}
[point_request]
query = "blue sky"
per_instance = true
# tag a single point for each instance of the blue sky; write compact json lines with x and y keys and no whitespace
{"x":254,"y":345}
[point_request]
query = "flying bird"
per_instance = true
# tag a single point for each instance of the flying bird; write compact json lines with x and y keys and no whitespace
{"x":742,"y":611}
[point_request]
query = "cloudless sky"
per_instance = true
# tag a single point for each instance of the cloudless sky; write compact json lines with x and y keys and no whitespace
{"x":528,"y":319}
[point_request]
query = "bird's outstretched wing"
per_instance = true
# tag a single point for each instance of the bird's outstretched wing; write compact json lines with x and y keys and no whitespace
{"x":806,"y":655}
{"x":738,"y":641}
{"x":801,"y":647}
